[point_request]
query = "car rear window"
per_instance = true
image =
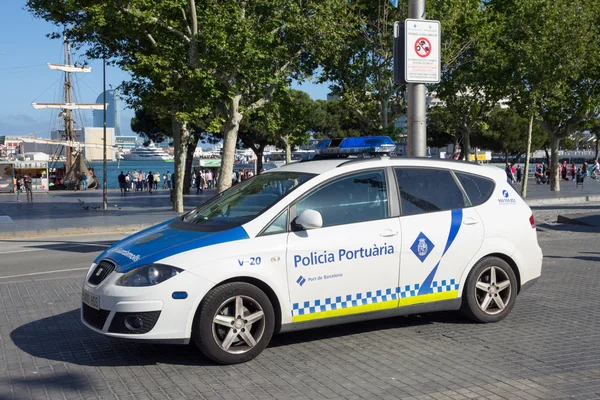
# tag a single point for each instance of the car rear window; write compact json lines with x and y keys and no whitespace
{"x":478,"y":188}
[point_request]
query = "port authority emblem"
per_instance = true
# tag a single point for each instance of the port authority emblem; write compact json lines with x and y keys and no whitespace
{"x":422,"y":247}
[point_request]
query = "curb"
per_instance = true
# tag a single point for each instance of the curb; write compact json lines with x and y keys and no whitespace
{"x":563,"y":200}
{"x":79,"y":230}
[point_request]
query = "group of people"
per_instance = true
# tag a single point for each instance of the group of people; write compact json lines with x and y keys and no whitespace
{"x":23,"y":183}
{"x":566,"y":172}
{"x":203,"y":179}
{"x":139,"y":181}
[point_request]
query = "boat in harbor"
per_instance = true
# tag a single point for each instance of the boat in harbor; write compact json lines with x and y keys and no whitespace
{"x":147,"y":153}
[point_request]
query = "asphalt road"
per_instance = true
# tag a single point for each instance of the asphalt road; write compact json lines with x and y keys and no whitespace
{"x":547,"y":348}
{"x":51,"y":257}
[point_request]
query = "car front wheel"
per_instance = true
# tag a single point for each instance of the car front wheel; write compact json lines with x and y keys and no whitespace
{"x":490,"y":290}
{"x":235,"y":324}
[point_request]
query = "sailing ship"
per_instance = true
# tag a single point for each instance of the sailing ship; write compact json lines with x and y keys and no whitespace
{"x":70,"y":176}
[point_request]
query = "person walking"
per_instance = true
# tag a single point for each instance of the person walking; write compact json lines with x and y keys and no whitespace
{"x":140,"y":182}
{"x":156,"y":180}
{"x":519,"y":174}
{"x":199,"y":181}
{"x":150,"y":180}
{"x":28,"y":191}
{"x":18,"y":185}
{"x":164,"y":181}
{"x":168,"y":180}
{"x":122,"y":183}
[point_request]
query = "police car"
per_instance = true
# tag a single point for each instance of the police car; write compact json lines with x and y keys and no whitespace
{"x":319,"y":243}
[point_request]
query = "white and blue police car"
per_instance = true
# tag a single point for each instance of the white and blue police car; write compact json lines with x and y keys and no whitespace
{"x":320,"y":243}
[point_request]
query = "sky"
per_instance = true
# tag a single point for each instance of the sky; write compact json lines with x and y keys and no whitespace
{"x":25,"y":77}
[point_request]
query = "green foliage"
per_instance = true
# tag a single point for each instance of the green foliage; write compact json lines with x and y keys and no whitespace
{"x":506,"y":132}
{"x":361,"y":72}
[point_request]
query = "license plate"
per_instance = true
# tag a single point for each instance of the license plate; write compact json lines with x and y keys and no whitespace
{"x":90,"y":299}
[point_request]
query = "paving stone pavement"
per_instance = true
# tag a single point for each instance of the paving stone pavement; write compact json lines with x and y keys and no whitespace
{"x":547,"y":348}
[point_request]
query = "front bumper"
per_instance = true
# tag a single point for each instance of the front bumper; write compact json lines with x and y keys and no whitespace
{"x":145,"y":313}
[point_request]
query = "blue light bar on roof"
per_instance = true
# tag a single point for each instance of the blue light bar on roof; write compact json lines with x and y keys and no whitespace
{"x":356,"y":145}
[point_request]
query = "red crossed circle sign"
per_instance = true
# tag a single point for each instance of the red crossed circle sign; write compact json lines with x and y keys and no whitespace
{"x":422,"y":47}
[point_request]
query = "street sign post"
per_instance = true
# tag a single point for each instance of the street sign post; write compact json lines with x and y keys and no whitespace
{"x":422,"y":51}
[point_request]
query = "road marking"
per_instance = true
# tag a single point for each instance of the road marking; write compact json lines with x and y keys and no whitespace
{"x":42,"y":273}
{"x":56,"y":248}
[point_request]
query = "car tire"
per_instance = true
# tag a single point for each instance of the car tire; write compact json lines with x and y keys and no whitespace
{"x":490,"y":291}
{"x":234,"y":324}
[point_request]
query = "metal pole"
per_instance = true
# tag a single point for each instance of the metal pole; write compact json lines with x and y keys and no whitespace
{"x":104,"y":194}
{"x":417,"y":112}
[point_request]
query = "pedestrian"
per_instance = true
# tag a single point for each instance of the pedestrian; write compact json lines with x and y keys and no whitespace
{"x":519,"y":173}
{"x":156,"y":180}
{"x":83,"y":180}
{"x":18,"y":185}
{"x":135,"y":176}
{"x":127,"y":181}
{"x":573,"y":171}
{"x":564,"y":170}
{"x":168,"y":180}
{"x":595,"y":169}
{"x":198,"y":181}
{"x":28,"y":191}
{"x":150,"y":180}
{"x":122,"y":183}
{"x":164,"y":181}
{"x":509,"y":173}
{"x":140,"y":183}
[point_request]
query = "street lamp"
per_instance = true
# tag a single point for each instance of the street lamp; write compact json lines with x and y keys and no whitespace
{"x":104,"y":190}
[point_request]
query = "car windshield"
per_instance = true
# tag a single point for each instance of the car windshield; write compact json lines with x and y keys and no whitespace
{"x":245,"y":201}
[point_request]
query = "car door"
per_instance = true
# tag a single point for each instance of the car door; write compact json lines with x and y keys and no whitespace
{"x":441,"y":235}
{"x":349,"y":265}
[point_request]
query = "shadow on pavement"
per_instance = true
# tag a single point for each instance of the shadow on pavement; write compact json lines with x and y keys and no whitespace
{"x":74,"y":343}
{"x":568,"y":228}
{"x":446,"y":317}
{"x":582,"y":258}
{"x":68,"y":382}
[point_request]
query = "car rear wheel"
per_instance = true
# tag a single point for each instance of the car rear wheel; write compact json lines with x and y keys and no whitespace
{"x":490,"y":290}
{"x":235,"y":324}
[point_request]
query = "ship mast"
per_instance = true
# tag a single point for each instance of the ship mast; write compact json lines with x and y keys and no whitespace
{"x":68,"y":106}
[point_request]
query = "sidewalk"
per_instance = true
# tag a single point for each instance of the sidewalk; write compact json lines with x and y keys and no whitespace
{"x":59,"y":212}
{"x":540,"y":195}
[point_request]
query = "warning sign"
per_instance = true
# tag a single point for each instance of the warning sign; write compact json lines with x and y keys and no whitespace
{"x":422,"y":44}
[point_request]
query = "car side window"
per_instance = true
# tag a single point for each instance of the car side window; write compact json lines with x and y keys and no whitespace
{"x":279,"y":225}
{"x":353,"y":198}
{"x":478,"y":188}
{"x":425,"y":190}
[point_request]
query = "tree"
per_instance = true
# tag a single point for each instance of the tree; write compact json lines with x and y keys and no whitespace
{"x":470,"y":65}
{"x":545,"y":73}
{"x":361,"y":72}
{"x":506,"y":131}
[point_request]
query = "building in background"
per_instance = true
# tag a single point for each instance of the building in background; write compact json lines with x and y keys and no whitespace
{"x":95,"y":135}
{"x":113,"y":111}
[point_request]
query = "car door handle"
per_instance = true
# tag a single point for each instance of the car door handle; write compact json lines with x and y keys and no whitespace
{"x":388,"y":233}
{"x":470,"y":221}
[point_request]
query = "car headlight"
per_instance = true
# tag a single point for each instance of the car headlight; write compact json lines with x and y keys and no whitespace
{"x":148,"y":275}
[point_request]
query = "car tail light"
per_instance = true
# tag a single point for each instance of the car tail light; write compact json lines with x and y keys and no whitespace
{"x":532,"y":221}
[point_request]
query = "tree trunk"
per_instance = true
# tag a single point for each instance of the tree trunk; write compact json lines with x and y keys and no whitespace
{"x":555,"y":175}
{"x":180,"y":138}
{"x":233,"y":118}
{"x":189,"y":159}
{"x":384,"y":113}
{"x":454,"y":152}
{"x":547,"y":157}
{"x":259,"y":158}
{"x":288,"y":150}
{"x":466,"y":135}
{"x":527,"y":158}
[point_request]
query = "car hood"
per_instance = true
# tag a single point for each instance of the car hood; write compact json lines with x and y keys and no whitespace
{"x":161,"y":241}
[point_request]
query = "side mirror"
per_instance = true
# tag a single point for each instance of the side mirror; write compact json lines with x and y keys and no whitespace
{"x":309,"y":219}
